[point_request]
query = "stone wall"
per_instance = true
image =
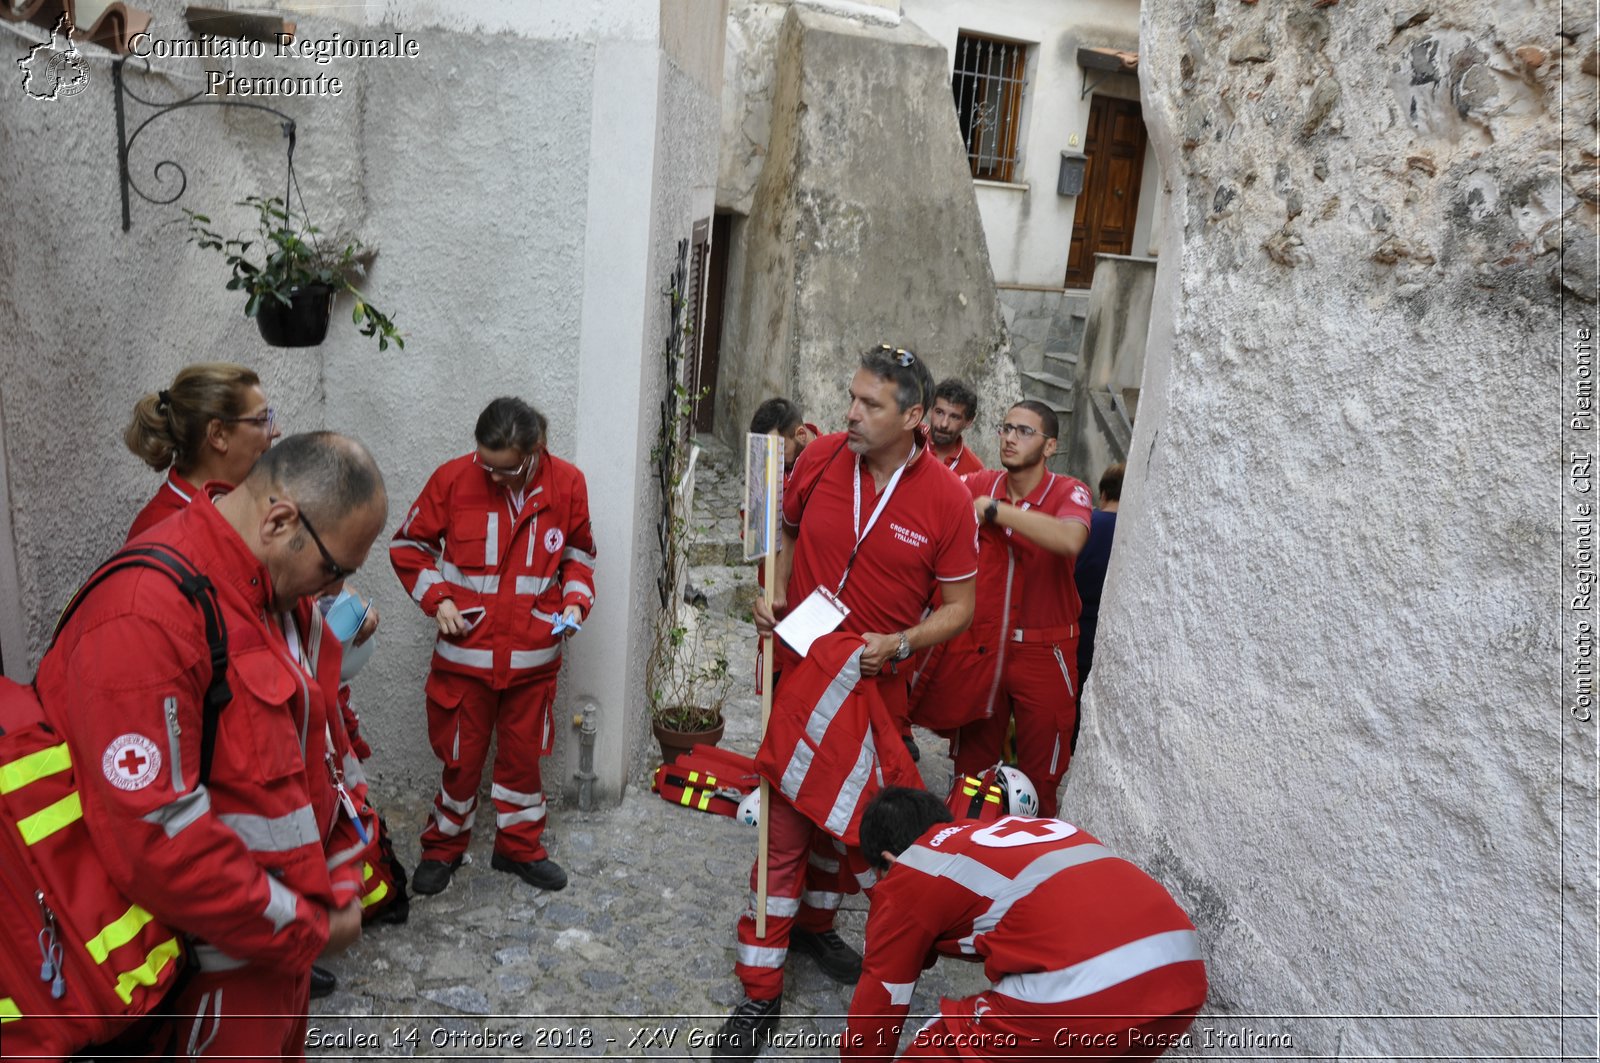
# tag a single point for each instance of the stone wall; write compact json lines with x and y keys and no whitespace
{"x":1324,"y":706}
{"x":863,"y":228}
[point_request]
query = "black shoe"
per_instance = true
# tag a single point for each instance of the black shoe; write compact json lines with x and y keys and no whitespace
{"x":837,"y":960}
{"x":323,"y":982}
{"x":741,"y":1036}
{"x":911,"y":747}
{"x":432,"y":876}
{"x":540,"y":874}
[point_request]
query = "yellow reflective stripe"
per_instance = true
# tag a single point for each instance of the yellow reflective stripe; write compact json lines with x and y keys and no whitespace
{"x":8,"y":1010}
{"x":366,"y":871}
{"x":33,"y":767}
{"x":47,"y":821}
{"x":705,"y":800}
{"x":118,"y":933}
{"x":376,"y":895}
{"x":688,"y":796}
{"x":148,"y":971}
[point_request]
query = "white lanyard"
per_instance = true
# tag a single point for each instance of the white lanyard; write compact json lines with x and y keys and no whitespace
{"x":883,"y":500}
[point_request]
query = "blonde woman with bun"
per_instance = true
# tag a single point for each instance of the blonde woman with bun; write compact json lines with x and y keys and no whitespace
{"x":211,"y":423}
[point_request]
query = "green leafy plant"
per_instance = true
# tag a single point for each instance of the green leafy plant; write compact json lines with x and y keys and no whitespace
{"x":688,"y":687}
{"x":289,"y":258}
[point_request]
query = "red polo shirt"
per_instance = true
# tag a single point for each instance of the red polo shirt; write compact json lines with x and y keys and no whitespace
{"x":964,"y":462}
{"x":926,"y":534}
{"x":1043,"y":592}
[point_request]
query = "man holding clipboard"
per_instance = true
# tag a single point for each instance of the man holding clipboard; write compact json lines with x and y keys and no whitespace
{"x":872,"y":524}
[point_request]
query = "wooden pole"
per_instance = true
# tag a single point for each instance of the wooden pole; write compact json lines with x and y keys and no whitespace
{"x":768,"y":647}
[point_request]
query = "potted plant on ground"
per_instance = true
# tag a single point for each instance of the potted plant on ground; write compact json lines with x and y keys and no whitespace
{"x":290,"y":288}
{"x":688,"y":688}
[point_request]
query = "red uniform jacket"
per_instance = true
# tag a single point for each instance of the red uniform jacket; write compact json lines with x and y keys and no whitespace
{"x":1062,"y":926}
{"x":831,"y":745}
{"x":249,"y":863}
{"x":462,"y":540}
{"x":175,"y":494}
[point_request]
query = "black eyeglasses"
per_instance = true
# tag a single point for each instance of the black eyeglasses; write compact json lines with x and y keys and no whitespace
{"x":336,"y":571}
{"x":1021,"y":431}
{"x":904,"y":357}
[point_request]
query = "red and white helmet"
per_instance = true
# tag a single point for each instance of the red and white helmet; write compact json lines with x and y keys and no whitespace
{"x":749,"y":811}
{"x":1000,"y":791}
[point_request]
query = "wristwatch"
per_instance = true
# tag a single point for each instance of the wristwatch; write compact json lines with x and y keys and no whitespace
{"x":905,"y":648}
{"x":991,"y":510}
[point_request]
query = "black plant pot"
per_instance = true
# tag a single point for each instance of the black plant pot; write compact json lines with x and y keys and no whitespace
{"x":303,"y":323}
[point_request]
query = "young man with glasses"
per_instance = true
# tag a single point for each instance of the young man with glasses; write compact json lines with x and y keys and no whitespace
{"x":258,"y":865}
{"x":873,"y":521}
{"x":1020,"y":656}
{"x":498,"y":551}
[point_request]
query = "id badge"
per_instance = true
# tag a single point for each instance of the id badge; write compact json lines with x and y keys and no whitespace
{"x":820,"y":614}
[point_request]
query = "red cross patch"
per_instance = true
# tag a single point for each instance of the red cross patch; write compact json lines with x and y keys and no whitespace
{"x":131,"y":762}
{"x":1080,"y":495}
{"x":553,"y":540}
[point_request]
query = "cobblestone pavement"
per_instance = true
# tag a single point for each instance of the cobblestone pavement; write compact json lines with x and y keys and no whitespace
{"x":634,"y":959}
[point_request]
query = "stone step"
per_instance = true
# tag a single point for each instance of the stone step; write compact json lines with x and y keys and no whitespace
{"x":716,"y":552}
{"x":1048,"y":387}
{"x":1061,"y":364}
{"x":722,"y":589}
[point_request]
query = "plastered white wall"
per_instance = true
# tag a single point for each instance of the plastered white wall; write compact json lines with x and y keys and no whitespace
{"x":1027,"y":225}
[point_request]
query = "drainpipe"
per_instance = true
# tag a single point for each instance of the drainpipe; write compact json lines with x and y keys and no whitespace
{"x":587,"y":721}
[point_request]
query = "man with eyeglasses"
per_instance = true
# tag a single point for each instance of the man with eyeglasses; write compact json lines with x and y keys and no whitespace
{"x":257,"y":865}
{"x":1020,"y":656}
{"x":873,"y":524}
{"x":498,"y":551}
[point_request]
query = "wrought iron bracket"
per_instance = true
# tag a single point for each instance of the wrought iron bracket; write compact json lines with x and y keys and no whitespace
{"x":167,"y":169}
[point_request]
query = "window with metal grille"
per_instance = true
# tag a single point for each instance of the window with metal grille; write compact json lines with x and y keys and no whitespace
{"x":987,"y":82}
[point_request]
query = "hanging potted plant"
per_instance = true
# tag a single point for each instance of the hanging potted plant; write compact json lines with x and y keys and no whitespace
{"x":290,"y":287}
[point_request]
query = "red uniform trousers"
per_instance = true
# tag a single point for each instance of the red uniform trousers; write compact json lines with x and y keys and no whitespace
{"x":808,"y":873}
{"x":1039,"y":686}
{"x":463,"y":714}
{"x":250,"y":1013}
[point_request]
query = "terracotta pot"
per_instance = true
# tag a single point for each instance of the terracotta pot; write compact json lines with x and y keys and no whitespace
{"x":303,"y":323}
{"x":675,"y":743}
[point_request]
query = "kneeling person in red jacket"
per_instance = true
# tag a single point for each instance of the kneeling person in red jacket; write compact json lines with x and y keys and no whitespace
{"x":498,"y":551}
{"x":1088,"y":955}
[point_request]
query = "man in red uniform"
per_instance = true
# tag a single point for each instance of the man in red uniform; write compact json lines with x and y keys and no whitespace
{"x":1088,"y":955}
{"x":258,"y":865}
{"x":871,"y":521}
{"x":955,"y":407}
{"x":1020,"y":657}
{"x":498,"y":551}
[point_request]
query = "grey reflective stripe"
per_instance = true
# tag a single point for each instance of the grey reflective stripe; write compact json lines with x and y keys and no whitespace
{"x":534,"y":584}
{"x":461,"y":655}
{"x":820,"y":861}
{"x":825,"y":901}
{"x":513,"y":797}
{"x":867,"y":879}
{"x":481,"y":584}
{"x":839,"y":688}
{"x":794,"y":773}
{"x":756,"y":956}
{"x":427,"y":578}
{"x":1055,"y":754}
{"x":777,"y":907}
{"x":274,"y":834}
{"x":1110,"y":968}
{"x":579,"y":586}
{"x":959,"y":869}
{"x":899,"y":992}
{"x":281,"y":901}
{"x":450,"y":829}
{"x":174,"y":816}
{"x":850,"y":792}
{"x":549,"y":618}
{"x":1029,"y":878}
{"x":413,"y":544}
{"x":344,"y":856}
{"x":350,"y":764}
{"x":458,"y":807}
{"x":572,"y":553}
{"x":534,"y":658}
{"x":491,"y":542}
{"x":526,"y":815}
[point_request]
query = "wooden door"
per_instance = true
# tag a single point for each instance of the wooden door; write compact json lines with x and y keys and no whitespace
{"x":1109,"y":202}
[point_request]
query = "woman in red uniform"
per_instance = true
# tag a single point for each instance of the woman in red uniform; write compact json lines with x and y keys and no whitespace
{"x":211,"y":423}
